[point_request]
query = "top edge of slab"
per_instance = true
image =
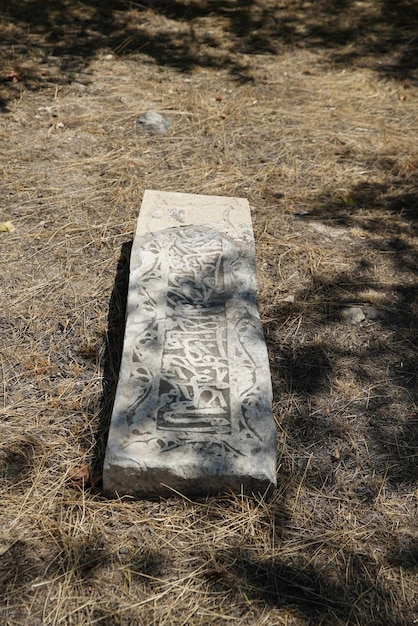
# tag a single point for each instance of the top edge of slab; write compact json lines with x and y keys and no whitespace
{"x":168,"y":209}
{"x":187,"y":196}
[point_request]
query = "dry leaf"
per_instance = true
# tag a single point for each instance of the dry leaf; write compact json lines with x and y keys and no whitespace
{"x":6,"y":227}
{"x":336,"y":456}
{"x":12,"y":75}
{"x":79,"y":476}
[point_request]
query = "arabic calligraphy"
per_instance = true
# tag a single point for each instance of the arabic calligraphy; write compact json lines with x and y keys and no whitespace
{"x":193,"y":320}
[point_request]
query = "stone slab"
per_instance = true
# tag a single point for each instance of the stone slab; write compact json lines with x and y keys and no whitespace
{"x":192,"y":412}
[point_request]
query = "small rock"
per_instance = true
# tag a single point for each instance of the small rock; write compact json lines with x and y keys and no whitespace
{"x":353,"y":315}
{"x":290,"y":298}
{"x":52,"y":110}
{"x":79,"y":86}
{"x":153,"y":122}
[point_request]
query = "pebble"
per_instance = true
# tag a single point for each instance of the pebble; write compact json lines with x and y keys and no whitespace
{"x":353,"y":315}
{"x":290,"y":298}
{"x":356,"y":314}
{"x":153,"y":122}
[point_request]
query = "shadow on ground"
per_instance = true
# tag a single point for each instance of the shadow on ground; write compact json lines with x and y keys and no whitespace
{"x":375,"y":358}
{"x":113,"y":352}
{"x":379,"y":35}
{"x":310,"y":595}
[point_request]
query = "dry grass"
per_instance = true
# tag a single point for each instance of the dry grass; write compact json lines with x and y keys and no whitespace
{"x":309,"y":110}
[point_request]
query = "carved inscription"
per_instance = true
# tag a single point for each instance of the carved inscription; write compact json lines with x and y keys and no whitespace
{"x":196,"y":373}
{"x":194,"y":383}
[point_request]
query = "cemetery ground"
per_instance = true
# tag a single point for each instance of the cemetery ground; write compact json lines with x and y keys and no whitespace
{"x":309,"y":110}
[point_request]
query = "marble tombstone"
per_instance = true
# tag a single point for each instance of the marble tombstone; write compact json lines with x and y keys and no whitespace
{"x":192,"y":413}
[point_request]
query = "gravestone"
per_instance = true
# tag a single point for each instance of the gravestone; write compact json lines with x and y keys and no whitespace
{"x":192,"y":412}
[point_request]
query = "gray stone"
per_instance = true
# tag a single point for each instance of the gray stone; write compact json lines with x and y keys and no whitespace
{"x":353,"y":315}
{"x":153,"y":122}
{"x":192,"y":412}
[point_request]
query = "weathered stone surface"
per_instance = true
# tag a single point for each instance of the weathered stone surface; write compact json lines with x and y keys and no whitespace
{"x":353,"y":315}
{"x":192,"y":411}
{"x":153,"y":122}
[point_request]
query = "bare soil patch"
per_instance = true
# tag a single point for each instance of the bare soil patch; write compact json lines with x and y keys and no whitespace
{"x":308,"y":109}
